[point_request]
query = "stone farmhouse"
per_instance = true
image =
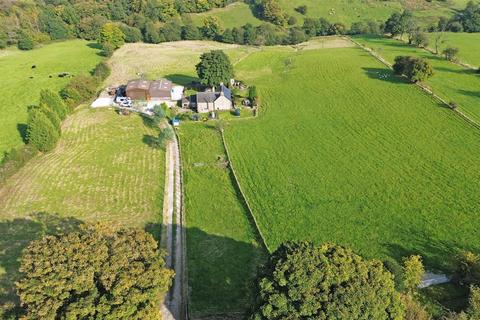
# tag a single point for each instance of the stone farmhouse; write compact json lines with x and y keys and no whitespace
{"x":212,"y":100}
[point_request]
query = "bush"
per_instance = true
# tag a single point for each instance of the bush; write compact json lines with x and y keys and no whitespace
{"x":237,"y":112}
{"x":455,"y":26}
{"x":112,"y":35}
{"x":467,"y":269}
{"x":101,"y":71}
{"x":413,"y":272}
{"x":80,"y":89}
{"x":450,"y":53}
{"x":41,"y":133}
{"x":107,"y":50}
{"x":25,"y":41}
{"x":3,"y":43}
{"x":54,"y":102}
{"x":304,"y":281}
{"x":292,"y":21}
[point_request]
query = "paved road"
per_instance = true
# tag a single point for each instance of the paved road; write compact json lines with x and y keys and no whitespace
{"x":173,"y":305}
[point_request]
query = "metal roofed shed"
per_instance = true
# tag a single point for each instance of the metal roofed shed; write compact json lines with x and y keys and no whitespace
{"x":138,"y":89}
{"x":160,"y":89}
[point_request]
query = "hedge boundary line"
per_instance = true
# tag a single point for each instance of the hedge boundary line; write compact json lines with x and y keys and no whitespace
{"x":244,"y":198}
{"x":421,"y":86}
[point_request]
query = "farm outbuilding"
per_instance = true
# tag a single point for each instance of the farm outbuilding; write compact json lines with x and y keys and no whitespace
{"x":138,"y":89}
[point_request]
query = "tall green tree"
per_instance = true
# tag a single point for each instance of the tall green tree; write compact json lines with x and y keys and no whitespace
{"x":111,"y":34}
{"x":41,"y":133}
{"x":96,"y":273}
{"x":214,"y":68}
{"x":25,"y":41}
{"x":304,"y":281}
{"x":52,"y":116}
{"x":55,"y":103}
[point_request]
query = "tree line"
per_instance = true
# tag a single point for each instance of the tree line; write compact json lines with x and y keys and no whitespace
{"x":25,"y":24}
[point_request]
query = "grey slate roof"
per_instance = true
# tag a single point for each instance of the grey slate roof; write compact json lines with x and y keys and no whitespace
{"x":210,"y":97}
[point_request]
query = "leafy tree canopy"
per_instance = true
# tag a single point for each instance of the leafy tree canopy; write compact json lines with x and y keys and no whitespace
{"x":96,"y":273}
{"x":214,"y":68}
{"x":304,"y":281}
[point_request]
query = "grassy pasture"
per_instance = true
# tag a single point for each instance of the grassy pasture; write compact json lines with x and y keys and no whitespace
{"x":450,"y":81}
{"x":19,"y":90}
{"x":344,"y":11}
{"x":234,"y":15}
{"x":344,"y":151}
{"x":101,"y":170}
{"x":222,"y":249}
{"x":468,"y":43}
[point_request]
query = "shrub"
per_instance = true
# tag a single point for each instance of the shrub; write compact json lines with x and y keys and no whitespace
{"x":455,"y":26}
{"x":25,"y":41}
{"x":101,"y":71}
{"x":292,"y":21}
{"x":80,"y":89}
{"x":107,"y":50}
{"x":55,"y":103}
{"x":450,"y":53}
{"x":3,"y":43}
{"x":112,"y":35}
{"x":98,"y":273}
{"x":237,"y":112}
{"x":304,"y":281}
{"x":41,"y":133}
{"x":165,"y":136}
{"x":252,"y":93}
{"x":413,"y":272}
{"x":467,"y":269}
{"x":414,"y":310}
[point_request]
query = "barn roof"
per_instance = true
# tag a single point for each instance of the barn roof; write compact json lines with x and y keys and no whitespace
{"x":138,"y":85}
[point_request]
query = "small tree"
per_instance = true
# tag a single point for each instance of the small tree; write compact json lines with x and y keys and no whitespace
{"x":415,"y":69}
{"x":214,"y":68}
{"x":111,"y":34}
{"x":40,"y":131}
{"x":252,"y":93}
{"x":165,"y":136}
{"x":96,"y":273}
{"x":413,"y":272}
{"x":211,"y":28}
{"x":158,"y":114}
{"x":52,"y":116}
{"x":302,"y":9}
{"x":25,"y":41}
{"x":467,"y":269}
{"x":304,"y":281}
{"x":414,"y":310}
{"x":420,"y":39}
{"x":55,"y":103}
{"x":439,"y":41}
{"x":450,"y":53}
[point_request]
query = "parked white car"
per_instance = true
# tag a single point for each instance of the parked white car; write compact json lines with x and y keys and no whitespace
{"x":121,"y":100}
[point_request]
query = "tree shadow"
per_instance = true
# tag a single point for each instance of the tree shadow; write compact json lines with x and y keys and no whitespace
{"x":384,"y":75}
{"x":184,"y":80}
{"x":152,"y":142}
{"x":457,"y":70}
{"x":22,"y":130}
{"x":474,"y":94}
{"x":15,"y":236}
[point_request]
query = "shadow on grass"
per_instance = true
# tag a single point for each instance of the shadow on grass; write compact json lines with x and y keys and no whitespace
{"x":473,"y":94}
{"x":22,"y":130}
{"x":457,"y":70}
{"x":182,"y":79}
{"x":15,"y":235}
{"x":222,"y":273}
{"x":384,"y":75}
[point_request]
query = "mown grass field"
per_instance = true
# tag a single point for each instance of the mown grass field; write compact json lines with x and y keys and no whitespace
{"x":344,"y":151}
{"x":468,"y":43}
{"x":21,"y":84}
{"x":450,"y":81}
{"x":101,"y":170}
{"x":222,"y":248}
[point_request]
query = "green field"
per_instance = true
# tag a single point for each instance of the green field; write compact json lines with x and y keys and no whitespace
{"x":222,"y":250}
{"x":450,"y":81}
{"x":344,"y":151}
{"x":21,"y":84}
{"x":234,"y":15}
{"x":468,"y":43}
{"x":344,"y":11}
{"x":101,"y":170}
